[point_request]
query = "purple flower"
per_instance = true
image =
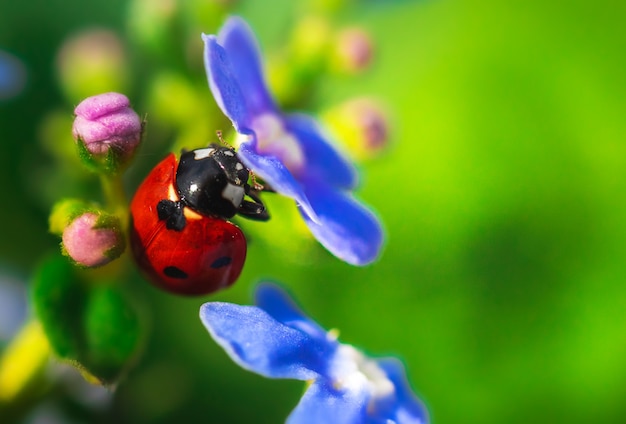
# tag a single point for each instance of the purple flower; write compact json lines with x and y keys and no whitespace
{"x":289,"y":151}
{"x":275,"y":339}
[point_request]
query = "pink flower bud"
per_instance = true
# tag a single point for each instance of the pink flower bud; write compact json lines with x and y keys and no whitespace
{"x":107,"y":128}
{"x":354,"y":50}
{"x":93,"y":239}
{"x":363,"y":125}
{"x":373,"y":123}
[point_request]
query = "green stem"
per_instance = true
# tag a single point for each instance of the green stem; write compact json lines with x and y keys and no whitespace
{"x":115,"y":198}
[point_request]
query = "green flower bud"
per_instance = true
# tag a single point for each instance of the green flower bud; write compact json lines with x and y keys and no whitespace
{"x":152,"y":21}
{"x":92,"y":62}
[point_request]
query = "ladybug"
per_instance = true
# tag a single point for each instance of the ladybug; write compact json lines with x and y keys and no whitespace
{"x":180,"y":234}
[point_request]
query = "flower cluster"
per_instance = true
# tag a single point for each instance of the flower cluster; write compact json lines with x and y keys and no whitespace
{"x":180,"y":233}
{"x":296,"y":158}
{"x":275,"y":339}
{"x":107,"y":132}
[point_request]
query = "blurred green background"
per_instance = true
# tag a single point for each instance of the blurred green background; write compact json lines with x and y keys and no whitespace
{"x":502,"y":285}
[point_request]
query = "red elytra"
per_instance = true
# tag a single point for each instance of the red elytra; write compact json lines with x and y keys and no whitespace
{"x":206,"y":256}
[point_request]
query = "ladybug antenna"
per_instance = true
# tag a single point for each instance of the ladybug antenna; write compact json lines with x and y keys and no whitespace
{"x":218,"y":133}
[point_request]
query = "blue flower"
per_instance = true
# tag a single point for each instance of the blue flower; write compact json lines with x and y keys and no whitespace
{"x":275,"y":339}
{"x":289,"y":151}
{"x":12,"y":75}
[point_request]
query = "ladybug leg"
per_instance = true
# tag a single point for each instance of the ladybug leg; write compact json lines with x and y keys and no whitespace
{"x":172,"y":214}
{"x":253,"y":210}
{"x":256,"y":186}
{"x":268,"y":189}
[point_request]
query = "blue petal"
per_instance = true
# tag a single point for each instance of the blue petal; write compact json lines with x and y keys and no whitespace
{"x":409,"y":409}
{"x":276,"y":302}
{"x":243,"y":51}
{"x":323,"y":161}
{"x":323,"y":404}
{"x":275,"y":174}
{"x":13,"y":307}
{"x":259,"y":343}
{"x":223,"y":83}
{"x":346,"y":227}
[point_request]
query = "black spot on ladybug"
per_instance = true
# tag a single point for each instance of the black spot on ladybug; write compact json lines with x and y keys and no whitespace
{"x":174,"y":272}
{"x":220,"y":262}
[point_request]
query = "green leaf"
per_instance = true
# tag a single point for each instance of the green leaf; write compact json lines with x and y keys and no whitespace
{"x":112,"y":332}
{"x":59,"y":299}
{"x":91,"y":326}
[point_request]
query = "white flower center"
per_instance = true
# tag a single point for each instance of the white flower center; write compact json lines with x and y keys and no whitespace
{"x":356,"y":370}
{"x":272,"y":139}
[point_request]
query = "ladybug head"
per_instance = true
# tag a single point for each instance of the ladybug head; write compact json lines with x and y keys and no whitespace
{"x":212,"y":181}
